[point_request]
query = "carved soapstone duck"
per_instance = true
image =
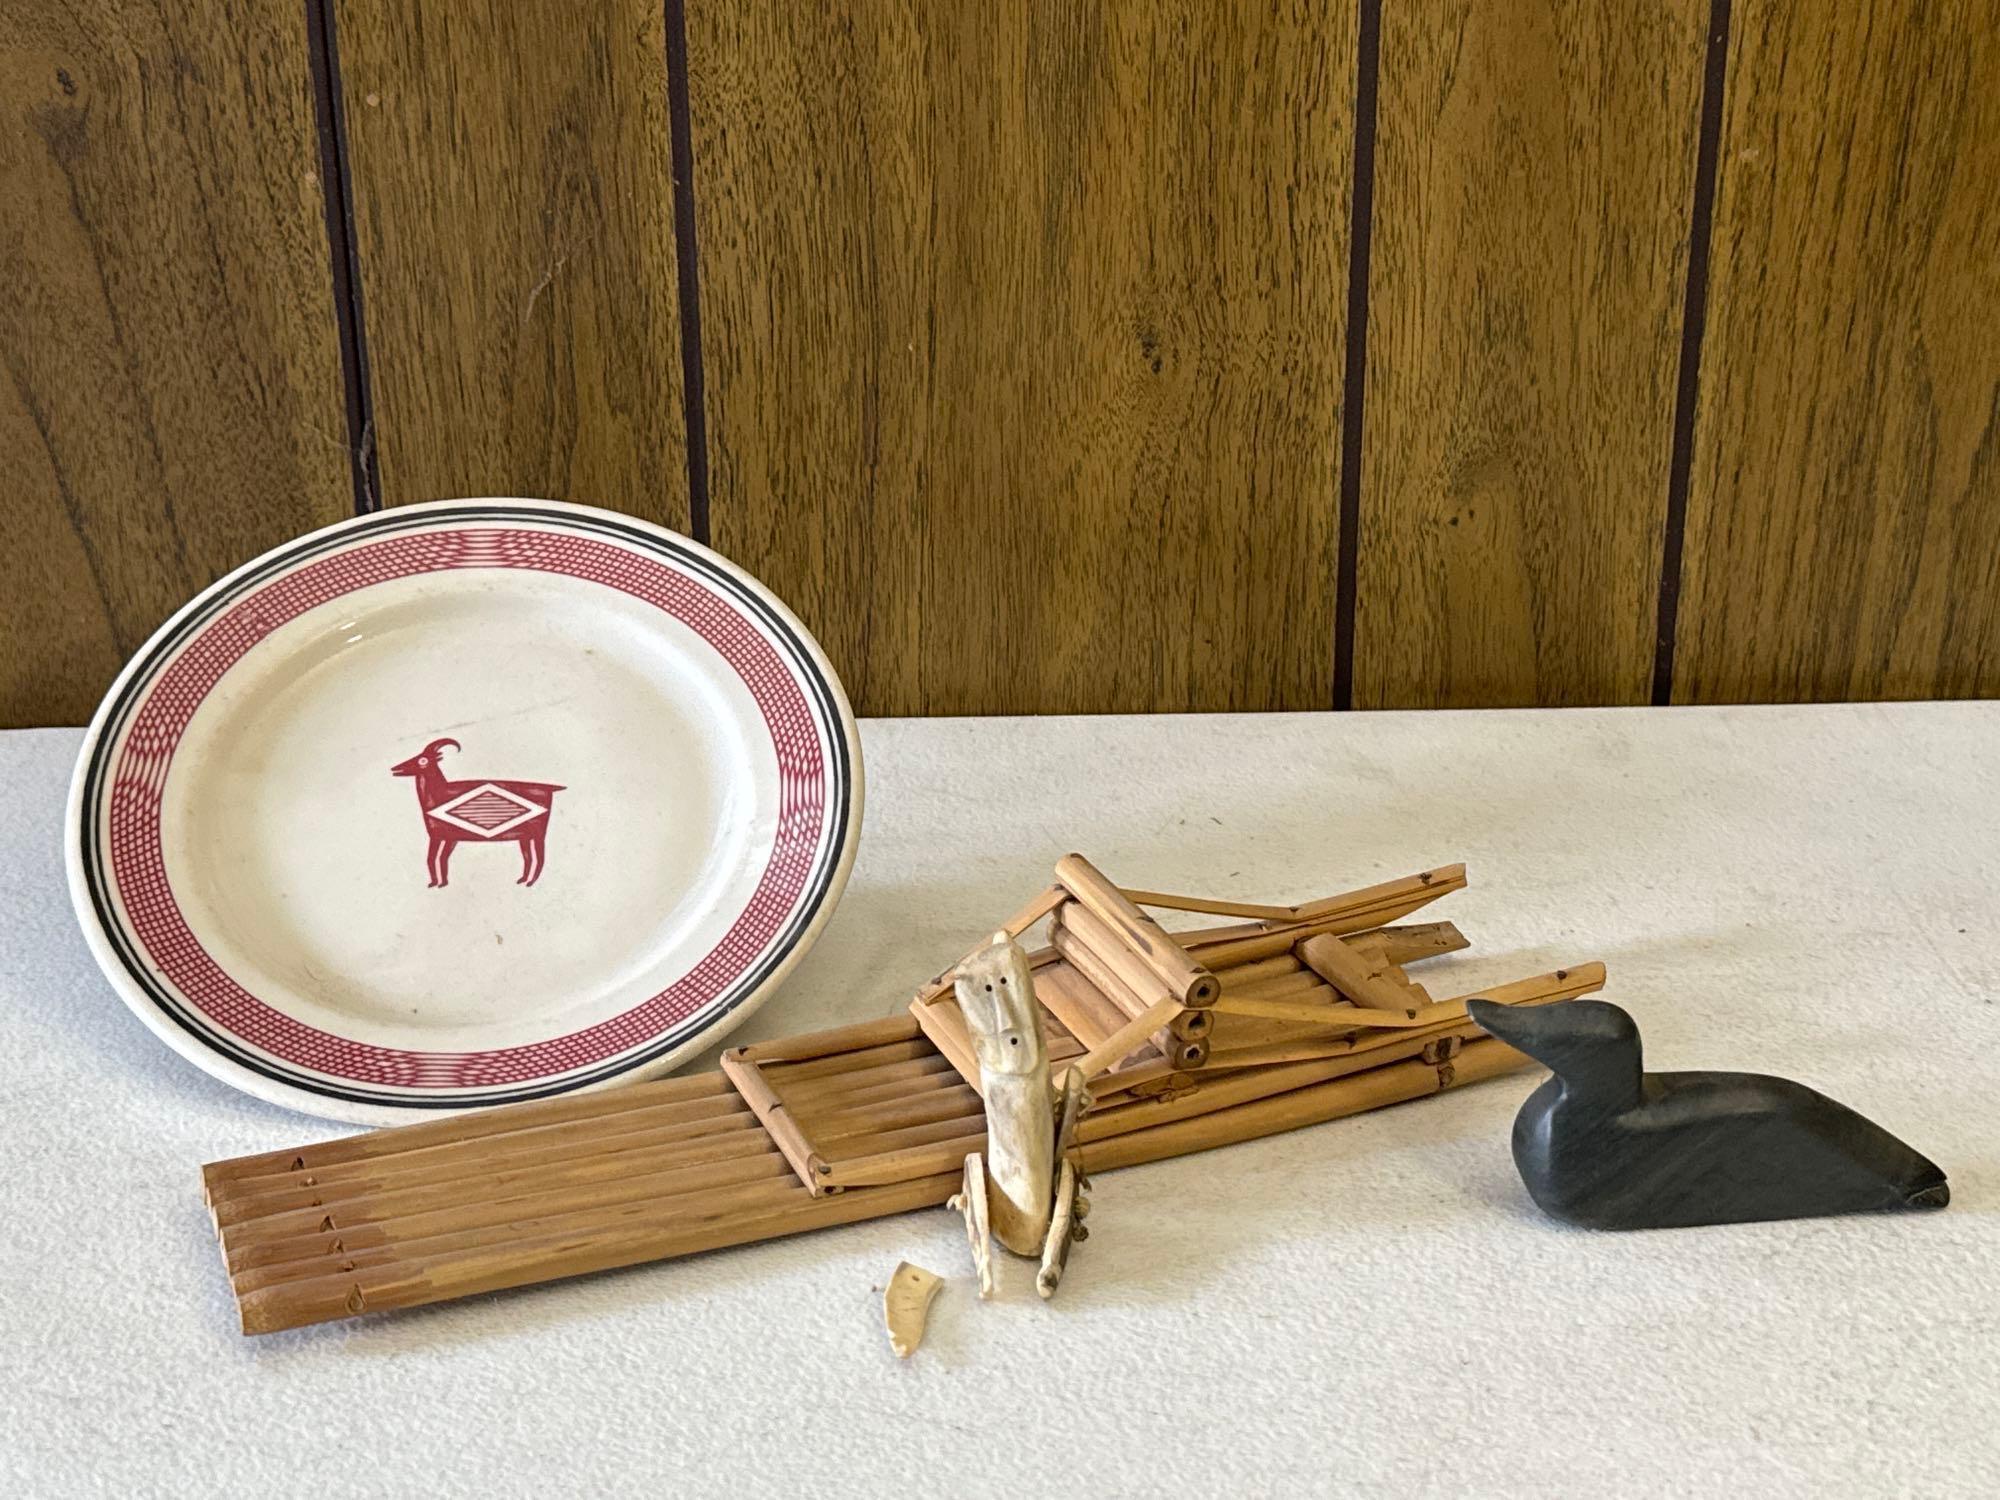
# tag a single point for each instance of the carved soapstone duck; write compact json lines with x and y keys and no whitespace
{"x":1608,"y":1146}
{"x":1024,"y":1191}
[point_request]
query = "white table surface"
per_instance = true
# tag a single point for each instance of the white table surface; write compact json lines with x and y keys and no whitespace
{"x":1370,"y":1306}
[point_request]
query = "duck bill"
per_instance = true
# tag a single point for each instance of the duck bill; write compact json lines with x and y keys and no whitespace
{"x":1522,"y":1027}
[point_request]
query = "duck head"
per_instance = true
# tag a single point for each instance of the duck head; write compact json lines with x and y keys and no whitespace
{"x":1591,"y":1045}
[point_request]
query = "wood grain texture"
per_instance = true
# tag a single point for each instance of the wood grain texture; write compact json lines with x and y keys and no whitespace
{"x":513,"y":192}
{"x":1534,"y":173}
{"x":1022,"y":334}
{"x":171,"y":401}
{"x":1843,"y":529}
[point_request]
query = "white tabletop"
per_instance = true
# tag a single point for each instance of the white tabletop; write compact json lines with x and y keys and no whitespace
{"x":1370,"y":1306}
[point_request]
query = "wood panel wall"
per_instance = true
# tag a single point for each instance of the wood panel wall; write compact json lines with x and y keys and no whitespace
{"x":172,"y":403}
{"x":1060,"y":357}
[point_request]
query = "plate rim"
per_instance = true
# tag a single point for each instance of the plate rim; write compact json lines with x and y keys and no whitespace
{"x":204,"y":1055}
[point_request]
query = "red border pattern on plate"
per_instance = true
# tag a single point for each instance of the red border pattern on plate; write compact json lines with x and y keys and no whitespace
{"x":139,"y":869}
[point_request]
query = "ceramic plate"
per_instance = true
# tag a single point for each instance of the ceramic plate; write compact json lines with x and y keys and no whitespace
{"x":462,"y":804}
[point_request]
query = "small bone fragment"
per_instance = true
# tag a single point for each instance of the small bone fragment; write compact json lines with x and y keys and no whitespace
{"x":971,"y":1201}
{"x":906,"y":1306}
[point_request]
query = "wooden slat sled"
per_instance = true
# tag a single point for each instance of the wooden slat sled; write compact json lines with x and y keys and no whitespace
{"x":1309,"y":1016}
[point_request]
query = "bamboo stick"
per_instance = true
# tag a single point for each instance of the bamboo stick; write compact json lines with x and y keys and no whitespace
{"x":1191,"y":983}
{"x":1139,"y":978}
{"x":1407,"y":942}
{"x":273,"y":1262}
{"x":905,"y":1163}
{"x":1417,"y":941}
{"x":1218,"y":1091}
{"x":938,"y":1104}
{"x":690,"y":1117}
{"x":451,"y":1129}
{"x":1558,"y":984}
{"x":835,"y":1041}
{"x":669,"y":1169}
{"x":907,"y":1050}
{"x":1100,"y":976}
{"x":1357,"y":911}
{"x":1374,"y":953}
{"x":944,"y":1025}
{"x":1278,"y":987}
{"x":1209,"y":906}
{"x":554,"y":1194}
{"x":465,"y":1273}
{"x":246,"y":1254}
{"x":895,"y":1079}
{"x":1079,"y":1005}
{"x":251,"y":1197}
{"x":868,"y":1140}
{"x":1128,"y":1039}
{"x":1346,"y":1017}
{"x":1240,"y":977}
{"x":1322,"y":1014}
{"x":883,"y":1143}
{"x":1372,"y":1088}
{"x":1450,"y":876}
{"x":1543,"y":989}
{"x":945,"y":1028}
{"x":1207,"y":1095}
{"x":772,"y":1114}
{"x":1186,"y":1025}
{"x":1151,"y":1076}
{"x":1042,"y":904}
{"x":1350,"y":973}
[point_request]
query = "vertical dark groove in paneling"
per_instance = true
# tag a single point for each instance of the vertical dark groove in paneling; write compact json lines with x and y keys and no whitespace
{"x":1694,"y":322}
{"x":1366,"y":71}
{"x":690,"y":283}
{"x":323,"y":58}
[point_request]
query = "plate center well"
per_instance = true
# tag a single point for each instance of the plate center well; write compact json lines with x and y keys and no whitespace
{"x":602,"y":818}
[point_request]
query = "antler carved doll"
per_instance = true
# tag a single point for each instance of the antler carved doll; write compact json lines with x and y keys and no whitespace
{"x":1025,"y":1191}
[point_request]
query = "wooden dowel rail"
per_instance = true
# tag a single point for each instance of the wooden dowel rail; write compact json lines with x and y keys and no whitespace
{"x":455,"y":1128}
{"x":1181,"y":1051}
{"x":771,"y":1113}
{"x":494,"y":1268}
{"x":1081,"y":1007}
{"x":1140,"y":980}
{"x":1190,"y":982}
{"x":558,"y":1141}
{"x":739,"y":1134}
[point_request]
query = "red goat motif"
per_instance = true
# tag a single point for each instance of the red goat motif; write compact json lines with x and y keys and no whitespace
{"x":491,"y":812}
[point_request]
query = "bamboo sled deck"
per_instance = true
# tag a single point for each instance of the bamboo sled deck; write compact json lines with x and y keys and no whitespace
{"x":874,"y":1119}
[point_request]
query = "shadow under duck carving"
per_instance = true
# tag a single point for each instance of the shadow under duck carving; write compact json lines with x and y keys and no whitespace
{"x":1609,"y":1146}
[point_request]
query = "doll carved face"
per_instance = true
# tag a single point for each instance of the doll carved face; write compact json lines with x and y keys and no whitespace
{"x":997,"y":994}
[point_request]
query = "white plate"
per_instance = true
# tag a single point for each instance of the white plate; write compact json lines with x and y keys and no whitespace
{"x":460,"y":804}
